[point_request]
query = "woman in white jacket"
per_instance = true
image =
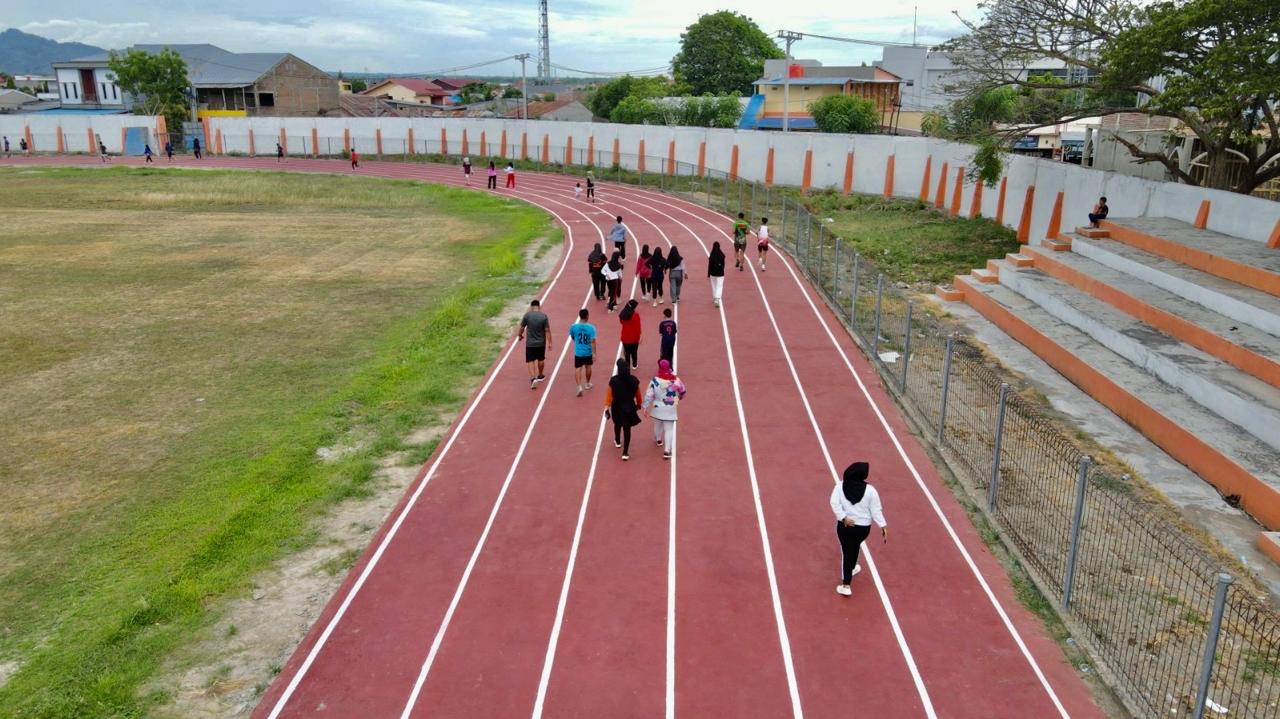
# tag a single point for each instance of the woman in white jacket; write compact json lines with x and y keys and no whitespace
{"x":660,"y":402}
{"x":856,"y":505}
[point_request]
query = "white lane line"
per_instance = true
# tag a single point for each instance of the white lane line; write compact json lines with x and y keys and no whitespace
{"x":893,"y":437}
{"x":395,"y":527}
{"x":831,"y":467}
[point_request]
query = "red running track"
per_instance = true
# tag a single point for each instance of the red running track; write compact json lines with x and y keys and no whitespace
{"x":530,"y":572}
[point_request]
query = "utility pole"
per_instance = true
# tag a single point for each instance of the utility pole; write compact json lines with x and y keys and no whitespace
{"x":789,"y":37}
{"x":524,"y":87}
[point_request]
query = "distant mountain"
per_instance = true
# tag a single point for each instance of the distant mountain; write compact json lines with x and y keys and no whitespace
{"x":26,"y":54}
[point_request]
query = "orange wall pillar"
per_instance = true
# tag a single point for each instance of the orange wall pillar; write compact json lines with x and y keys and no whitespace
{"x":377,"y":140}
{"x":924,"y":184}
{"x":568,"y":151}
{"x":484,"y":145}
{"x":1274,"y":241}
{"x":768,"y":169}
{"x":346,"y":140}
{"x":315,"y":142}
{"x":408,"y":142}
{"x":733,"y":163}
{"x":444,"y":141}
{"x":1055,"y":218}
{"x":253,"y":145}
{"x":501,"y":151}
{"x":217,"y":140}
{"x":524,"y":146}
{"x":124,"y":135}
{"x":204,"y":128}
{"x":888,"y":176}
{"x":591,"y":150}
{"x":848,"y":173}
{"x":1024,"y":224}
{"x":941,"y":197}
{"x":284,"y":141}
{"x":1202,"y":215}
{"x":466,"y":144}
{"x":671,"y":157}
{"x":702,"y":159}
{"x":617,"y":154}
{"x":62,"y":143}
{"x":640,"y":161}
{"x":806,"y":179}
{"x":975,"y":207}
{"x":546,"y":148}
{"x":956,"y":196}
{"x":93,"y":147}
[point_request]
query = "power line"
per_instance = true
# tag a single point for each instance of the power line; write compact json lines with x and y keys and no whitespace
{"x":856,"y":41}
{"x":614,"y":73}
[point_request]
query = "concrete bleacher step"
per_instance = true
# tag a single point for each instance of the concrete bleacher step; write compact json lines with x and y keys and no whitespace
{"x":1235,"y":462}
{"x":1057,"y":244}
{"x":985,"y":276}
{"x":1242,"y":345}
{"x":1017,"y":259}
{"x":1234,"y":395}
{"x":1245,"y":262}
{"x":1242,"y":304}
{"x":1096,"y":233}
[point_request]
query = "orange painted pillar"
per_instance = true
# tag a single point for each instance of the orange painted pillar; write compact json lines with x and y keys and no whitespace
{"x":591,"y":150}
{"x":524,"y":146}
{"x":733,"y":163}
{"x":1024,"y":224}
{"x":444,"y":142}
{"x":217,"y":139}
{"x":1202,"y":215}
{"x":956,"y":196}
{"x":1274,"y":241}
{"x":124,"y":135}
{"x":484,"y":145}
{"x":315,"y":142}
{"x":546,"y":148}
{"x":346,"y":140}
{"x":1055,"y":218}
{"x":640,"y":155}
{"x":408,"y":142}
{"x":568,"y":151}
{"x":93,"y":147}
{"x":284,"y":141}
{"x":377,"y":140}
{"x":617,"y":156}
{"x":671,"y":157}
{"x":928,"y":174}
{"x":768,"y":169}
{"x":702,"y":159}
{"x":975,"y":208}
{"x":940,"y":198}
{"x":466,"y":144}
{"x":848,"y":173}
{"x":888,"y":176}
{"x":806,"y":179}
{"x":204,"y":128}
{"x":253,"y":148}
{"x":31,"y":142}
{"x":62,"y":144}
{"x":1004,"y":185}
{"x":503,"y":152}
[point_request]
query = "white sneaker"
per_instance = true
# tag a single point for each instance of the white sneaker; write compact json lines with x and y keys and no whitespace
{"x":617,"y":445}
{"x":579,"y":390}
{"x":856,"y":568}
{"x":589,"y":385}
{"x":844,"y":589}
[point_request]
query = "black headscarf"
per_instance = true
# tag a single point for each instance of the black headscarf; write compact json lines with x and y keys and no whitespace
{"x":673,"y":258}
{"x":615,"y":262}
{"x":628,"y":310}
{"x":656,"y":262}
{"x":644,"y":252}
{"x":716,"y":253}
{"x":596,"y":257}
{"x":855,"y":481}
{"x":624,"y":368}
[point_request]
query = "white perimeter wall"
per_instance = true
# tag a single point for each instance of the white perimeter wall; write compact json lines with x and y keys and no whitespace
{"x":75,"y":131}
{"x":1242,"y":216}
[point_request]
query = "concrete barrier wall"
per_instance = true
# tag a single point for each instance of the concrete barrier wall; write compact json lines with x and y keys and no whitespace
{"x":828,"y":158}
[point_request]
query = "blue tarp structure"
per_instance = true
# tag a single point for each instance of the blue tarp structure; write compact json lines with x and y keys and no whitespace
{"x":751,"y":115}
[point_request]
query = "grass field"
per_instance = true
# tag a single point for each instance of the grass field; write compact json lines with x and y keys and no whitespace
{"x":174,"y":349}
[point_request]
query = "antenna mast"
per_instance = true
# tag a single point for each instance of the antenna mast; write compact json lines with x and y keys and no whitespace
{"x":544,"y":43}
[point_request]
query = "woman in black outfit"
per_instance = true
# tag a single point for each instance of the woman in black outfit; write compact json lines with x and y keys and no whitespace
{"x":595,"y":265}
{"x":657,"y":266}
{"x":715,"y":271}
{"x":675,"y":272}
{"x":613,"y":279}
{"x":621,"y":403}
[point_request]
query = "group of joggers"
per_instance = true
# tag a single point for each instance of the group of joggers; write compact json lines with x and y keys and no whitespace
{"x":855,"y":502}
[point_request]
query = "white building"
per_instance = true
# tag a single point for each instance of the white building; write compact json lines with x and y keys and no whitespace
{"x":931,"y":81}
{"x":88,"y":83}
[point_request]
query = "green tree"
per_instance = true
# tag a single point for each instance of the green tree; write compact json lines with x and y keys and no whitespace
{"x":157,"y":82}
{"x":607,"y":96}
{"x":8,"y":83}
{"x":635,"y":110}
{"x":511,"y":92}
{"x":1211,"y":64}
{"x":974,"y":119}
{"x":845,"y":113}
{"x":359,"y":85}
{"x":709,"y":111}
{"x":723,"y":52}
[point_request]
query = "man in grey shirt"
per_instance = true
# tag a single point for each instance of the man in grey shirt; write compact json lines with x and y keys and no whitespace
{"x":537,"y":343}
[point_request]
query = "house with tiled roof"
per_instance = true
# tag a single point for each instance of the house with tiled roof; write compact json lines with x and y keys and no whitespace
{"x":434,"y":91}
{"x":565,"y":110}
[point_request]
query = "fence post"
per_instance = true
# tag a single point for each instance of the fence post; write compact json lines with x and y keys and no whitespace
{"x":995,"y":461}
{"x":946,"y":389}
{"x":906,"y":350}
{"x":875,"y":340}
{"x":835,"y":275}
{"x":1211,"y":643}
{"x":853,"y":292}
{"x":752,"y":212}
{"x":1076,"y":519}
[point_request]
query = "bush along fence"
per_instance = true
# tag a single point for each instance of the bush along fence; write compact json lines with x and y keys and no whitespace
{"x":1171,"y":631}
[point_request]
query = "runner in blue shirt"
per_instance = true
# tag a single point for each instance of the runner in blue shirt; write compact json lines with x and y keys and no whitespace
{"x":583,"y":334}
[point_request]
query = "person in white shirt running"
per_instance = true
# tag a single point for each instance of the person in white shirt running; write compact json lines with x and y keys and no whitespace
{"x":762,"y":241}
{"x":856,"y":505}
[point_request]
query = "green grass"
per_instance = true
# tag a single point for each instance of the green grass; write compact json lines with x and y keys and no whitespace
{"x":174,"y":348}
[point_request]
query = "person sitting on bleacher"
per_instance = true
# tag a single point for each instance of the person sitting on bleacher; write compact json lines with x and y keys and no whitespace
{"x":1099,"y":212}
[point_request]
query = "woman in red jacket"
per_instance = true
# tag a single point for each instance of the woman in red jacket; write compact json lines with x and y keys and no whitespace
{"x":630,"y":319}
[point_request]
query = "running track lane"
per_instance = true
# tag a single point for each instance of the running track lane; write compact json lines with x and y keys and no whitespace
{"x":843,"y":651}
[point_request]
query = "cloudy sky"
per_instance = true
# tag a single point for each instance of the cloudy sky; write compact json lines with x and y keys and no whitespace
{"x":410,"y":36}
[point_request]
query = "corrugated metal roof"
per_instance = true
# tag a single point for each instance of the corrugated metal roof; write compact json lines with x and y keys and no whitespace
{"x":823,"y":81}
{"x":207,"y":65}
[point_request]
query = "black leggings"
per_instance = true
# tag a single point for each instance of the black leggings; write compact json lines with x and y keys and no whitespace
{"x":493,"y":182}
{"x":597,"y":284}
{"x":851,"y":539}
{"x":655,"y":286}
{"x":631,"y":353}
{"x":621,"y":249}
{"x":622,"y":435}
{"x":644,"y":286}
{"x":615,"y":291}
